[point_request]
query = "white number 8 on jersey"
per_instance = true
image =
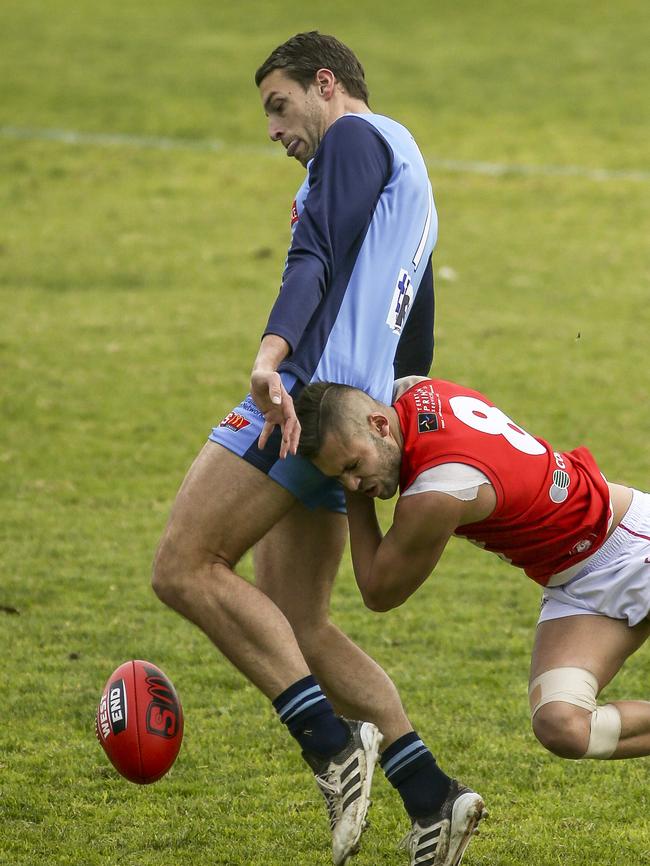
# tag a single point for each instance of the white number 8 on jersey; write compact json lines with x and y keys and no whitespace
{"x":488,"y":419}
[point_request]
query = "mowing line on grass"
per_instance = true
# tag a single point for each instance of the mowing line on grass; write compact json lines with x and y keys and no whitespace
{"x":494,"y":169}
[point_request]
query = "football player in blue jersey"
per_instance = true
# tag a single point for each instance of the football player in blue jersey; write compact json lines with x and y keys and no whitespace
{"x":355,"y":306}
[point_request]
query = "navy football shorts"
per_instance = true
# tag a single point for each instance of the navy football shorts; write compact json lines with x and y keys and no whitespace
{"x":239,"y":432}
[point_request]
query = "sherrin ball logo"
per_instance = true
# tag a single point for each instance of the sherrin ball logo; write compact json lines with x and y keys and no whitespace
{"x":139,"y":721}
{"x":112,"y":714}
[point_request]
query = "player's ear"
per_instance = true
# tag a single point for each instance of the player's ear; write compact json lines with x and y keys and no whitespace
{"x":379,"y":423}
{"x":325,"y":83}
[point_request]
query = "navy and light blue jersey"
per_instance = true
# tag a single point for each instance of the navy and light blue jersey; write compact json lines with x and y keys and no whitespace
{"x":364,"y":228}
{"x":357,"y":286}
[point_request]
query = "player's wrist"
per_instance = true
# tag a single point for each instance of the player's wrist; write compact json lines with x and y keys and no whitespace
{"x":273,"y":350}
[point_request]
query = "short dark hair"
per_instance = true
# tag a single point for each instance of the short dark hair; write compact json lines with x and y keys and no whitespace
{"x":305,"y":53}
{"x":319,"y":410}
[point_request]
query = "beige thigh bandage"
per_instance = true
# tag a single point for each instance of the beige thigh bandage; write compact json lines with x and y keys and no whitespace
{"x":579,"y":687}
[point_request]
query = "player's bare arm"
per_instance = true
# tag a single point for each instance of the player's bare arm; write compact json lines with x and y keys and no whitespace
{"x":389,"y":569}
{"x":270,"y":395}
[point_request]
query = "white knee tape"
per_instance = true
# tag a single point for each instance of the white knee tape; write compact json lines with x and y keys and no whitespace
{"x":579,"y":687}
{"x":605,"y":732}
{"x":571,"y":685}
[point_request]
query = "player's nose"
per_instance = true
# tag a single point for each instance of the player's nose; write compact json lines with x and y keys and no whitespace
{"x":275,"y":131}
{"x":351,"y":482}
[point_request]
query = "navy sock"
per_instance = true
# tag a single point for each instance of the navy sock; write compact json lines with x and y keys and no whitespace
{"x":411,"y":769}
{"x":310,"y":717}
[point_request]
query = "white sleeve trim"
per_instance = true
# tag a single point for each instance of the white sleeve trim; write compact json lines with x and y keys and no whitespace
{"x":457,"y":479}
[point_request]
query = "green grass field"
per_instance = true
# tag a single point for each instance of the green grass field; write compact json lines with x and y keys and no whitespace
{"x":135,"y":278}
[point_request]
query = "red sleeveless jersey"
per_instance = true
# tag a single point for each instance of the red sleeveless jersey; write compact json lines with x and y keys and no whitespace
{"x":552,"y":507}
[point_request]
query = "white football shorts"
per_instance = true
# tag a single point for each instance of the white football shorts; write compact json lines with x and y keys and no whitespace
{"x":615,"y":581}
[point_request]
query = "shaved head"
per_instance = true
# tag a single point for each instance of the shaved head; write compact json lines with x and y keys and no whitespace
{"x":347,"y":435}
{"x":325,"y":408}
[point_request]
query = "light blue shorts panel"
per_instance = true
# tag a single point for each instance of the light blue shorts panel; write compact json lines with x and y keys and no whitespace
{"x":239,"y":432}
{"x":616,"y":580}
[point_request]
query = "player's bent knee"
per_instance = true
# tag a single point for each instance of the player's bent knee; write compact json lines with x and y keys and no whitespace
{"x":178,"y":569}
{"x":562,"y":729}
{"x":566,"y":718}
{"x":170,"y":573}
{"x":163,"y":578}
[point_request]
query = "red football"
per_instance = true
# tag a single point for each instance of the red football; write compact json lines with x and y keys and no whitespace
{"x":139,"y":721}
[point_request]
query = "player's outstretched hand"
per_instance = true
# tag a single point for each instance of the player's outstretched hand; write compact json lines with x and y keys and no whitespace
{"x":276,"y":404}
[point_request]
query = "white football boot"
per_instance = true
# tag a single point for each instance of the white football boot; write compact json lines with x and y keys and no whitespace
{"x":345,"y":781}
{"x":442,"y":839}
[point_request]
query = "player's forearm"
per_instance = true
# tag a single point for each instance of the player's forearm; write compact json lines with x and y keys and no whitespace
{"x":304,"y":284}
{"x":273,"y":350}
{"x":390,"y":568}
{"x":365,"y":537}
{"x":365,"y":540}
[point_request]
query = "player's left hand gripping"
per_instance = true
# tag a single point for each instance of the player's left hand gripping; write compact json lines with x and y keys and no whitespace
{"x":278,"y":409}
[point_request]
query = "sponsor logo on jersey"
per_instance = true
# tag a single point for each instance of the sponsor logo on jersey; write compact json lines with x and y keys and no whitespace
{"x":249,"y":406}
{"x":294,"y":213}
{"x":427,"y":422}
{"x":235,"y":422}
{"x":559,"y":490}
{"x":401,"y":302}
{"x":427,"y":402}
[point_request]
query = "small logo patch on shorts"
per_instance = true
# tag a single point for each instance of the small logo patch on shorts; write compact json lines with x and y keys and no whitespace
{"x":234,"y":422}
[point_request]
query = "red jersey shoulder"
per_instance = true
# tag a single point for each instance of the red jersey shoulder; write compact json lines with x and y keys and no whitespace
{"x":552,"y":507}
{"x":426,"y":403}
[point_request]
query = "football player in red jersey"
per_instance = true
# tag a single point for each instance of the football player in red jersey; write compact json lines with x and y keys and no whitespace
{"x":465,"y":468}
